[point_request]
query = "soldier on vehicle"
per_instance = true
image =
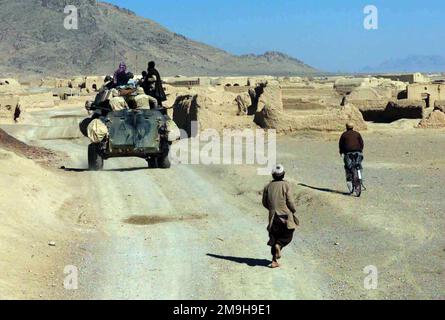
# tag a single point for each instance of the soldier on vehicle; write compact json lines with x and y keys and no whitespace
{"x":144,"y":83}
{"x":153,"y":84}
{"x":108,"y":83}
{"x":121,"y":77}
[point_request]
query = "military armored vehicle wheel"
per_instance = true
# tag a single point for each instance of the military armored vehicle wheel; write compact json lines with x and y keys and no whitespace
{"x":164,"y":162}
{"x":95,"y":160}
{"x":152,"y":163}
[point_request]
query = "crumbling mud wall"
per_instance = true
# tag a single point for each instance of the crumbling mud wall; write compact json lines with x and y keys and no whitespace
{"x":271,"y":114}
{"x":309,"y":96}
{"x":243,"y":101}
{"x":37,"y":100}
{"x":216,"y":108}
{"x":185,"y":112}
{"x":10,"y":86}
{"x":372,"y":110}
{"x":384,"y":111}
{"x":256,"y":98}
{"x":271,"y":95}
{"x":365,"y":93}
{"x":403,"y":109}
{"x":330,"y":120}
{"x":9,"y":107}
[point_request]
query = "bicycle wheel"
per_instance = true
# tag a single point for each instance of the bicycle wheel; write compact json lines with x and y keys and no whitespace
{"x":349,"y":181}
{"x":350,"y":187}
{"x":357,"y":183}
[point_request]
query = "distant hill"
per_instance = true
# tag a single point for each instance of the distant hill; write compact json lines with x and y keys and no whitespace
{"x":412,"y":63}
{"x":33,"y":41}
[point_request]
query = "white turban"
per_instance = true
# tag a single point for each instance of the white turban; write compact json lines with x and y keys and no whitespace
{"x":278,"y":170}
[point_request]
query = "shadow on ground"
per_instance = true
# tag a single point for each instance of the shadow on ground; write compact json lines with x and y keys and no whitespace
{"x":249,"y":261}
{"x":73,"y":169}
{"x":325,"y":189}
{"x":129,"y":169}
{"x":109,"y":170}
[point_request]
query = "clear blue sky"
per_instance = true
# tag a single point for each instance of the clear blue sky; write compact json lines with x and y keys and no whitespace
{"x":327,"y":34}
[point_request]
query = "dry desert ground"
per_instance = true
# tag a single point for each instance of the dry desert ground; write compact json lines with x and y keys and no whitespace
{"x":199,"y":231}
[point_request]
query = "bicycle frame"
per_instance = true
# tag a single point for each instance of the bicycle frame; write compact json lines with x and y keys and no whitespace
{"x":355,"y":169}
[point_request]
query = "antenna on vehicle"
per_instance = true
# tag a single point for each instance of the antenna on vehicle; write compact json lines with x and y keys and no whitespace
{"x":137,"y":68}
{"x":114,"y":54}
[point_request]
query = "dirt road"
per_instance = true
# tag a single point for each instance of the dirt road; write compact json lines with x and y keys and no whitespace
{"x":198,"y":232}
{"x":173,"y":235}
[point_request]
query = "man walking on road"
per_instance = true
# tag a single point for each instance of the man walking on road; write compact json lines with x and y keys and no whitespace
{"x":278,"y":199}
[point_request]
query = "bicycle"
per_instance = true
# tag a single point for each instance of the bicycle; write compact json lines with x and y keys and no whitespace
{"x":355,"y":169}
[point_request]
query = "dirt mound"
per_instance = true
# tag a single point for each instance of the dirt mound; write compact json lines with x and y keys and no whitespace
{"x":20,"y":148}
{"x":435,"y":120}
{"x":32,"y":201}
{"x":439,"y":105}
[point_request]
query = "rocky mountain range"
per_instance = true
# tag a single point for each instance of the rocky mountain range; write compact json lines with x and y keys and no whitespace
{"x":412,"y":63}
{"x":34,"y":41}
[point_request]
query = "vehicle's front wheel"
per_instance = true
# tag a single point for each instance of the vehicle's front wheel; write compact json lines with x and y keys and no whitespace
{"x":163,"y":159}
{"x":95,"y":160}
{"x":152,"y":163}
{"x":164,"y":162}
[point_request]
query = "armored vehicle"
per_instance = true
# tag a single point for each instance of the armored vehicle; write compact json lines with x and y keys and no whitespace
{"x":133,"y":133}
{"x":130,"y":132}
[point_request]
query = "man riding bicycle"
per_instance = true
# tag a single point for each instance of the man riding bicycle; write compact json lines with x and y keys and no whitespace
{"x":351,"y":142}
